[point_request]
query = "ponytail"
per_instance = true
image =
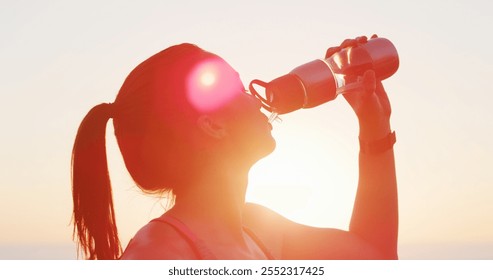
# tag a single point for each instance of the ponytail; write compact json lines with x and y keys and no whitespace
{"x":93,"y":214}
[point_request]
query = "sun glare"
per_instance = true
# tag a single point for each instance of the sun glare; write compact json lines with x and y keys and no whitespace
{"x":211,"y":84}
{"x":208,"y":78}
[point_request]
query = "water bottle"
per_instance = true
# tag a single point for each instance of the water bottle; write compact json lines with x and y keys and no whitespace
{"x":322,"y":80}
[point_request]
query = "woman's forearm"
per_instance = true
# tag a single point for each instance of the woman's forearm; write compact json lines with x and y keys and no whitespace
{"x":375,"y":213}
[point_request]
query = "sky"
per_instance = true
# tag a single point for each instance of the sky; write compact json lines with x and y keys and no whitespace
{"x":60,"y":58}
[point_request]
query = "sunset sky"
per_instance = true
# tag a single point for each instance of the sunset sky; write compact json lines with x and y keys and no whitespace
{"x":60,"y":58}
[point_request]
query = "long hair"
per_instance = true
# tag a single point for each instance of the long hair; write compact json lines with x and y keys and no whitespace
{"x":93,"y":213}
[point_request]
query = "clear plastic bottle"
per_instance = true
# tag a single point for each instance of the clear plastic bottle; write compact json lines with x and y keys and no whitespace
{"x":321,"y":80}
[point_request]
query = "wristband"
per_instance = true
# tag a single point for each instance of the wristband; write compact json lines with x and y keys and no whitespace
{"x":377,"y":146}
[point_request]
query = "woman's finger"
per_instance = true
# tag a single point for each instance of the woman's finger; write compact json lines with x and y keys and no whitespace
{"x":362,"y":39}
{"x":331,"y":51}
{"x":348,"y":43}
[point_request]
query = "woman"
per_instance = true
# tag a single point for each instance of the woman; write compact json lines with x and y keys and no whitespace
{"x":185,"y":126}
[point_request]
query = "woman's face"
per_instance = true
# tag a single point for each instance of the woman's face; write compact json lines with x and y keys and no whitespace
{"x":247,"y":128}
{"x":215,"y":89}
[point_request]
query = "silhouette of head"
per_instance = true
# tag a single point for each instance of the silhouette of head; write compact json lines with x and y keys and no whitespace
{"x":184,"y":108}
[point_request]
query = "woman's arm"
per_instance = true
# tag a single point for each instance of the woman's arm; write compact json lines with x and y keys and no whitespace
{"x":373,"y":229}
{"x":375,"y":212}
{"x":374,"y":223}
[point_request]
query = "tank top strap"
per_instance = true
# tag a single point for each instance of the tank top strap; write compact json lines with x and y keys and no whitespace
{"x":259,"y":243}
{"x":197,"y":245}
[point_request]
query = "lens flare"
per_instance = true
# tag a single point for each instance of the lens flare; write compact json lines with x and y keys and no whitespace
{"x":211,"y":84}
{"x":208,"y":78}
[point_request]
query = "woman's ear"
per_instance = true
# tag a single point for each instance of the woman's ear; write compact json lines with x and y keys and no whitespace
{"x":211,"y":127}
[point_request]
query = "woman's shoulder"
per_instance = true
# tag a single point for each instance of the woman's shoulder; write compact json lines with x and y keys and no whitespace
{"x":267,"y":225}
{"x":157,"y":241}
{"x":258,"y":215}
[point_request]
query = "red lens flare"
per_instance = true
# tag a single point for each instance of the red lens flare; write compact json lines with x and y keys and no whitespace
{"x":212,"y":84}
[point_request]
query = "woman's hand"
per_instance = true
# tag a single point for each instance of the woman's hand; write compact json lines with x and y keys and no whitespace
{"x":370,"y":101}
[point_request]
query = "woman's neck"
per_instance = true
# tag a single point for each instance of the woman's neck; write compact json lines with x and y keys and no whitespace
{"x":212,"y":201}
